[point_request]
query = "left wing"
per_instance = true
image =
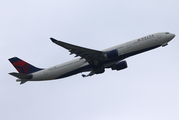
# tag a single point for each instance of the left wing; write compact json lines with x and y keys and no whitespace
{"x":93,"y":57}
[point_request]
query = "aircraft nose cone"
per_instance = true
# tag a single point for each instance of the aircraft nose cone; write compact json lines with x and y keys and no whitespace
{"x":173,"y":35}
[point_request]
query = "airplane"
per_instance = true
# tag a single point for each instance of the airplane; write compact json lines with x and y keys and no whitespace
{"x":92,"y":61}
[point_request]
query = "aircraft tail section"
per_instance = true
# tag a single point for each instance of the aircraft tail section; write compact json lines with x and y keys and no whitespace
{"x":22,"y":77}
{"x":22,"y":67}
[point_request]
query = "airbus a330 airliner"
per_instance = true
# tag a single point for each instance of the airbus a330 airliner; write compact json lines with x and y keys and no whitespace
{"x":91,"y":60}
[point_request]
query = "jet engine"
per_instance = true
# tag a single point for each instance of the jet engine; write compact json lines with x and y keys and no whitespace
{"x":120,"y":65}
{"x":111,"y":54}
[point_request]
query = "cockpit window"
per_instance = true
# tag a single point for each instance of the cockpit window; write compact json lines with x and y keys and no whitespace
{"x":167,"y":33}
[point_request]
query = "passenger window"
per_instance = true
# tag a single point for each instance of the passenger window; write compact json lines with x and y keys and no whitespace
{"x":167,"y":33}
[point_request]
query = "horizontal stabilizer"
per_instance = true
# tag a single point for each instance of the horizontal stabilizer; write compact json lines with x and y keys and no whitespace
{"x":21,"y":75}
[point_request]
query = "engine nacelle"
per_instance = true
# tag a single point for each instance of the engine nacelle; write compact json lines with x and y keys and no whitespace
{"x":120,"y":65}
{"x":111,"y":54}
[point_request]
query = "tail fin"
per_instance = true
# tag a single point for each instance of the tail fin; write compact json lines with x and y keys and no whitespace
{"x":22,"y":66}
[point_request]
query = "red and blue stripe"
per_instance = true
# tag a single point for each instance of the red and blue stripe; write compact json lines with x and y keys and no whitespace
{"x":22,"y":66}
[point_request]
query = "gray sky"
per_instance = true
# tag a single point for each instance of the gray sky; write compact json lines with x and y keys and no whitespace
{"x":147,"y":89}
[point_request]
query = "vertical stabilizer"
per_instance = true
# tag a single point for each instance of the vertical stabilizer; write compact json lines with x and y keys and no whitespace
{"x":22,"y":66}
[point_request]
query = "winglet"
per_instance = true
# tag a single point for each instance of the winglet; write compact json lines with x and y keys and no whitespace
{"x":83,"y":75}
{"x":90,"y":74}
{"x":53,"y":40}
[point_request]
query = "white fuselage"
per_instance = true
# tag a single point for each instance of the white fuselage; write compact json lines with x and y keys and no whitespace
{"x":124,"y":50}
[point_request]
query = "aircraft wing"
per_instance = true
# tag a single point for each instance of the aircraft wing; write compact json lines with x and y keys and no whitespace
{"x":92,"y":56}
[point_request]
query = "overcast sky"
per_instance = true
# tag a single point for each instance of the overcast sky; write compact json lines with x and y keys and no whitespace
{"x":147,"y":90}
